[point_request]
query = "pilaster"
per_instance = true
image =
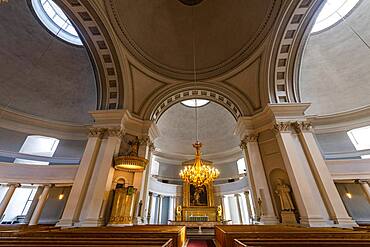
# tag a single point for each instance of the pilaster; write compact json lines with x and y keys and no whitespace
{"x":258,"y":180}
{"x":322,"y":176}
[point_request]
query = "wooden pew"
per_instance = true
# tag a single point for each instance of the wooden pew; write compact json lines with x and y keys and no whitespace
{"x":279,"y":235}
{"x":146,"y":235}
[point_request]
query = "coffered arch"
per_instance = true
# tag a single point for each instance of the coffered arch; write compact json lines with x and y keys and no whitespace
{"x":103,"y":53}
{"x":217,"y":94}
{"x":286,"y":50}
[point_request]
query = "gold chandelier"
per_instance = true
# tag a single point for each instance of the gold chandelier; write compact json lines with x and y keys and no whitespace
{"x":199,"y":174}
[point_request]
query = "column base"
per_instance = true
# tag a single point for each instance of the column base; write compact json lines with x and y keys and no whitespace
{"x":90,"y":223}
{"x":268,"y":220}
{"x":315,"y":222}
{"x":345,"y":223}
{"x":65,"y":223}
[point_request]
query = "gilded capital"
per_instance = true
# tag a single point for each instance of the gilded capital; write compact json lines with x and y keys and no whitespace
{"x":302,"y":126}
{"x":247,"y":139}
{"x":96,"y":132}
{"x":116,"y":132}
{"x":282,"y":127}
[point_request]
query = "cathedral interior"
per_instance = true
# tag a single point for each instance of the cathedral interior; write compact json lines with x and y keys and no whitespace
{"x":184,"y":123}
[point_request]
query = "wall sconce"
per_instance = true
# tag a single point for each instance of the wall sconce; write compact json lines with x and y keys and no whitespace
{"x":349,"y":195}
{"x":61,"y":195}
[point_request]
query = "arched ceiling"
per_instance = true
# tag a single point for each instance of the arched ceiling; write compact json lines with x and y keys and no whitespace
{"x":335,"y":67}
{"x":177,"y":128}
{"x":160,"y":33}
{"x":40,"y":74}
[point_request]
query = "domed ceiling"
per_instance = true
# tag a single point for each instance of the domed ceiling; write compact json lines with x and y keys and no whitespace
{"x":40,"y":74}
{"x":177,"y":128}
{"x":160,"y":33}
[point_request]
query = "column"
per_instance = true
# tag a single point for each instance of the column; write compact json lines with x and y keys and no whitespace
{"x":249,"y":206}
{"x":40,"y":205}
{"x":257,"y":180}
{"x":146,"y":149}
{"x":101,"y":179}
{"x":160,"y":201}
{"x":75,"y":200}
{"x":149,"y":209}
{"x":223,"y":208}
{"x":309,"y":202}
{"x":237,"y":196}
{"x":320,"y":171}
{"x":171,"y":211}
{"x":8,"y":196}
{"x":366,"y":188}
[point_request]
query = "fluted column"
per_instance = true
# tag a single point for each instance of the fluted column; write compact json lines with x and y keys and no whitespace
{"x":147,"y":148}
{"x":320,"y":171}
{"x":160,"y":201}
{"x":366,"y":188}
{"x":249,"y":206}
{"x":76,"y":198}
{"x":101,"y":179}
{"x":8,"y":196}
{"x":258,"y":180}
{"x":149,"y":210}
{"x":40,"y":205}
{"x":223,"y":208}
{"x":237,"y":196}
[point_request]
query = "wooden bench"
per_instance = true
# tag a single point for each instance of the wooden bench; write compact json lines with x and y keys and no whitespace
{"x":148,"y":235}
{"x":279,"y":235}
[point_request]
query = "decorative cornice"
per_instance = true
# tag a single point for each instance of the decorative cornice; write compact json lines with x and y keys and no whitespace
{"x":26,"y":123}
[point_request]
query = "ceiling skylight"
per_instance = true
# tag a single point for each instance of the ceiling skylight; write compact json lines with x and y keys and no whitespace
{"x":52,"y":16}
{"x":360,"y":138}
{"x":332,"y":12}
{"x":195,"y":102}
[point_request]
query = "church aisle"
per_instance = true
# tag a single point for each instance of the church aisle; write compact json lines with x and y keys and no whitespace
{"x":200,"y":243}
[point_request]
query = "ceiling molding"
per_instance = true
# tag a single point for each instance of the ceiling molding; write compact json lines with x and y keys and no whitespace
{"x":341,"y":121}
{"x":25,"y":123}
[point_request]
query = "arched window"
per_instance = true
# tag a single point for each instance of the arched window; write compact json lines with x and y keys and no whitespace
{"x":332,"y":12}
{"x":54,"y":19}
{"x":195,"y":102}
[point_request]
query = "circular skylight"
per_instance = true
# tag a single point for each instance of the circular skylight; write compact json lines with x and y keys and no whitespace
{"x":52,"y":16}
{"x":332,"y":12}
{"x":195,"y":102}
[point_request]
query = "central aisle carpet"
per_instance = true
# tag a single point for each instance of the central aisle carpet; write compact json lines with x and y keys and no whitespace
{"x":200,"y":243}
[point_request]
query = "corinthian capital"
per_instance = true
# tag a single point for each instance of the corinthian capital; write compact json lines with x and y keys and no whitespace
{"x":302,"y":126}
{"x":96,"y":132}
{"x":116,"y":132}
{"x":247,"y":139}
{"x":282,"y":127}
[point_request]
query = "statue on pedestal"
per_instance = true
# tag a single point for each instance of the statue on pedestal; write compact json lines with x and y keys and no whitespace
{"x":178,"y":213}
{"x":286,"y":203}
{"x":219,"y":213}
{"x":283,"y":192}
